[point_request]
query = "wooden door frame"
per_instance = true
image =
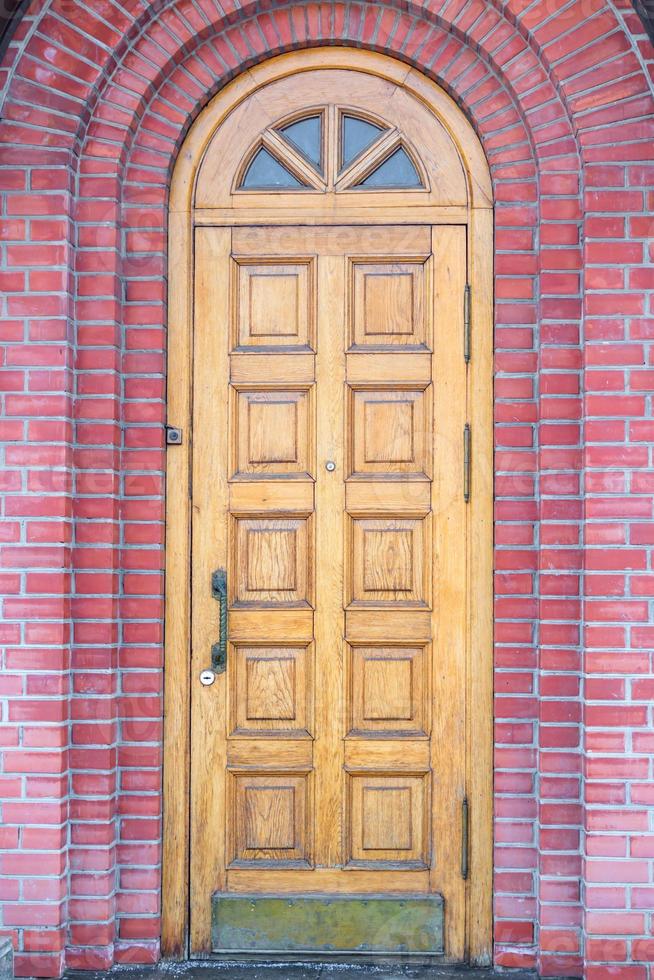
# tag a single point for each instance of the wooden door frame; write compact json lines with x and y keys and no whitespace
{"x":478,"y":217}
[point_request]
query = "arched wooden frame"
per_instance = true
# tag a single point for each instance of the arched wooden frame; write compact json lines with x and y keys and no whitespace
{"x":202,"y":193}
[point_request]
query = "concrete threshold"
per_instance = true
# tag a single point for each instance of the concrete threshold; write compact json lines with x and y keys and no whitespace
{"x":228,"y":970}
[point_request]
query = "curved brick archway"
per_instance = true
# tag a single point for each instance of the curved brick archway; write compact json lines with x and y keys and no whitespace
{"x":98,"y":99}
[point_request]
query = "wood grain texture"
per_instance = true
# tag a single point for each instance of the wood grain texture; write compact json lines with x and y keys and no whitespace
{"x":272,"y":561}
{"x":450,"y":599}
{"x":292,"y":65}
{"x":273,"y":431}
{"x":330,"y":503}
{"x":480,"y":589}
{"x":336,"y":881}
{"x":388,"y":820}
{"x":273,"y":296}
{"x":319,"y":213}
{"x":177,"y":708}
{"x":272,"y":689}
{"x":409,"y":123}
{"x":210,"y":551}
{"x":388,"y":304}
{"x":268,"y":823}
{"x":273,"y":304}
{"x":388,"y":689}
{"x":389,"y":430}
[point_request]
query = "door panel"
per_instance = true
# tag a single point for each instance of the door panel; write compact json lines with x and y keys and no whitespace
{"x":329,"y":403}
{"x":273,"y":304}
{"x":388,"y":304}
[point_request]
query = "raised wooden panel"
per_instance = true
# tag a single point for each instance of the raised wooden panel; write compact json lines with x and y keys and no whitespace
{"x":270,"y":689}
{"x":390,"y":430}
{"x":272,"y":432}
{"x":389,"y":561}
{"x":270,"y":819}
{"x":272,"y":561}
{"x":274,"y":303}
{"x":388,"y":690}
{"x":387,"y":306}
{"x":388,"y":819}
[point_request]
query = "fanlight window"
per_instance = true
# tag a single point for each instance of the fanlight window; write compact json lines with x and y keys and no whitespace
{"x":266,"y":171}
{"x":356,"y":136}
{"x":306,"y":136}
{"x":297,"y":155}
{"x":397,"y":170}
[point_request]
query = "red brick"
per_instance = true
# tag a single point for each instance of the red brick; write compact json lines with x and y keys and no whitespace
{"x":614,"y":81}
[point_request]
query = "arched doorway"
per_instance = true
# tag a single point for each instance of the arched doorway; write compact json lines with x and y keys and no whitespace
{"x":329,"y":522}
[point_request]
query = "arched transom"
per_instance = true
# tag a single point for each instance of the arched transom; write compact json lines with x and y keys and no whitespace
{"x":336,"y":139}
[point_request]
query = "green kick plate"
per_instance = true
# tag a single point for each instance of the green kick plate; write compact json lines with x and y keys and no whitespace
{"x":328,"y":925}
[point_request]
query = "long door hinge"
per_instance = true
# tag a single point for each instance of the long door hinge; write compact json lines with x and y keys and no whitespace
{"x":464,"y":837}
{"x":466,"y":323}
{"x":466,"y":462}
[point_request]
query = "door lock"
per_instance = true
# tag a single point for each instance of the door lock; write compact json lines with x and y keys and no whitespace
{"x":207,"y":677}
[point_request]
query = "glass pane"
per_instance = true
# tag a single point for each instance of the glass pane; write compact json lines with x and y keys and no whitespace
{"x":265,"y":171}
{"x":306,"y":136}
{"x":357,"y":135}
{"x":397,"y":170}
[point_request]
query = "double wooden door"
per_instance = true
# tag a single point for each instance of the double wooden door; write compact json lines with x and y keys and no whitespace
{"x":329,"y":405}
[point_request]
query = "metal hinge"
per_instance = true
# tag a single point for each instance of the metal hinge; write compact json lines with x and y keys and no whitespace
{"x":464,"y":837}
{"x":466,"y":462}
{"x":466,"y":323}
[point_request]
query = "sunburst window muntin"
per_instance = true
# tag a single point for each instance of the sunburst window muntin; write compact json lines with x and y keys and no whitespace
{"x":331,"y":148}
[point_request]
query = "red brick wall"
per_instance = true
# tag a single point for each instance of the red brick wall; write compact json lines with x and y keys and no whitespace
{"x":97,"y":99}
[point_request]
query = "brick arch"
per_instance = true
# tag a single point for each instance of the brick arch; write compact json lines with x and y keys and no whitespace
{"x":517,"y":170}
{"x":440,"y":46}
{"x":120,"y":121}
{"x":413,"y":25}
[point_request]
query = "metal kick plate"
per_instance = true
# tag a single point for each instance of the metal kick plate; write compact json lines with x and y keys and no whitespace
{"x":333,"y":925}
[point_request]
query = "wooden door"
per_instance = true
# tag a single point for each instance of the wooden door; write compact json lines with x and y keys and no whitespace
{"x":329,"y":403}
{"x":329,"y":212}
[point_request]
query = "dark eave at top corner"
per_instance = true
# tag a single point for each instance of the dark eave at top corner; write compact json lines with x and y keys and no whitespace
{"x":11,"y":12}
{"x":645,"y":10}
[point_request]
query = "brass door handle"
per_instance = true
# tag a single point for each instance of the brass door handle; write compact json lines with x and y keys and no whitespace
{"x":219,"y":649}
